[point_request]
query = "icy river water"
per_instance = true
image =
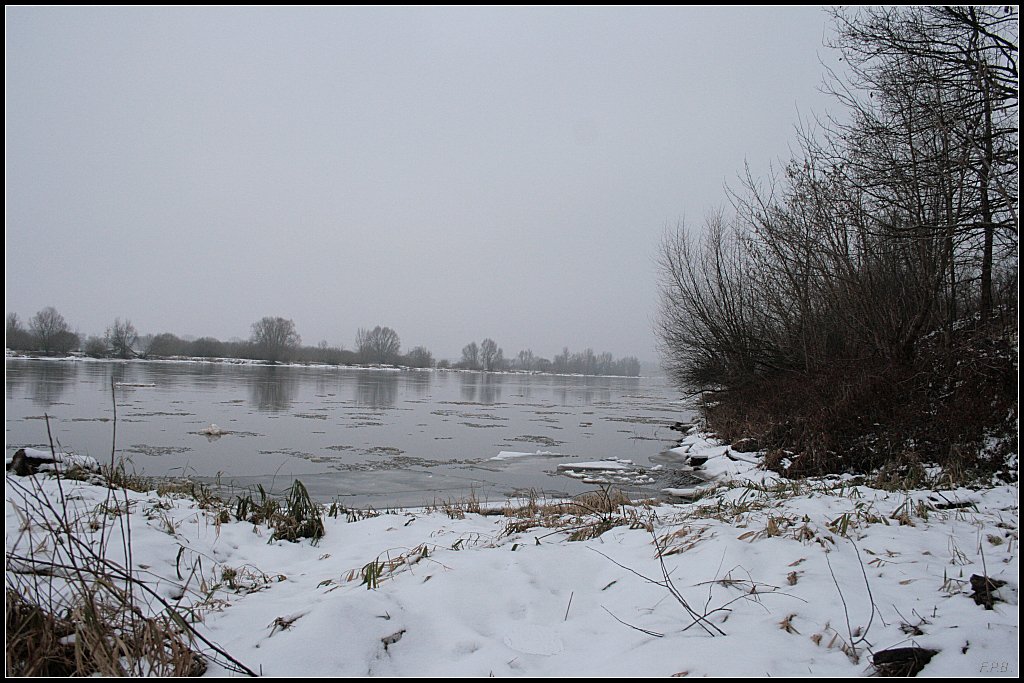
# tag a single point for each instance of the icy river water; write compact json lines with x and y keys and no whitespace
{"x":365,"y":436}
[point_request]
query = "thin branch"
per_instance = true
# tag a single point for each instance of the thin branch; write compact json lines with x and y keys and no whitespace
{"x":636,"y":628}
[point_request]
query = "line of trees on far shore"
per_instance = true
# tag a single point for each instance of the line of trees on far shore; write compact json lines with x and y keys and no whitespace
{"x":276,"y":340}
{"x":488,"y":356}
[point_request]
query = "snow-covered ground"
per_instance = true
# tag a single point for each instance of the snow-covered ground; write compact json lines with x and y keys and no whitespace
{"x":757,"y":577}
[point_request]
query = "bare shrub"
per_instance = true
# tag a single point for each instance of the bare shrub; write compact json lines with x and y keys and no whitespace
{"x":851,"y":300}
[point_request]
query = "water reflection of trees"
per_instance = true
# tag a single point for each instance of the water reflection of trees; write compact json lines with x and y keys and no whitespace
{"x":49,"y":381}
{"x":418,"y":382}
{"x":467,"y":386}
{"x":272,"y":389}
{"x":576,"y":390}
{"x":524,"y":386}
{"x":481,"y":387}
{"x":15,"y":376}
{"x":212,"y":374}
{"x":490,"y":387}
{"x":376,"y":389}
{"x":325,"y":383}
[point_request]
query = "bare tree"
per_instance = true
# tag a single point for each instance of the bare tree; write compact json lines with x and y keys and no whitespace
{"x":13,"y":323}
{"x":165,"y":344}
{"x":561,"y":361}
{"x":869,"y":239}
{"x":587,"y":362}
{"x":17,"y":337}
{"x":51,"y":332}
{"x":420,"y":357}
{"x":121,"y":338}
{"x":274,"y":339}
{"x":470,"y":356}
{"x":525,"y":360}
{"x":379,"y":345}
{"x":491,"y":356}
{"x":934,"y":93}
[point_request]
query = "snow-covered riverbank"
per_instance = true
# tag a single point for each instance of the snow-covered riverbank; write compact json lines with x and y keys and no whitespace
{"x":758,"y":577}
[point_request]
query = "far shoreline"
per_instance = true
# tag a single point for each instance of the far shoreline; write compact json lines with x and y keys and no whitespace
{"x":81,"y":357}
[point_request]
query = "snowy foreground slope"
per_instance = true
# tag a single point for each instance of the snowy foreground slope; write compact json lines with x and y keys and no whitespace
{"x":794,"y":579}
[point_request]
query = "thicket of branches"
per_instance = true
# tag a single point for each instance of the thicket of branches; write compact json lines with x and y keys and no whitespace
{"x":848,"y":307}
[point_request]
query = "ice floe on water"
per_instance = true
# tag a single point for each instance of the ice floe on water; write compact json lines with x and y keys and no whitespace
{"x":512,"y":455}
{"x":609,"y":464}
{"x":609,"y":471}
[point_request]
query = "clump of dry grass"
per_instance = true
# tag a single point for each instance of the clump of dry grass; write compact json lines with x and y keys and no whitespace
{"x":585,"y":516}
{"x":74,"y":603}
{"x":36,"y":641}
{"x":386,"y":565}
{"x":298,"y":517}
{"x":338,"y":508}
{"x":74,"y":608}
{"x":458,"y":508}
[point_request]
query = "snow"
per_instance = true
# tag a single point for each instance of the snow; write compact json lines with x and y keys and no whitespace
{"x":790,"y":572}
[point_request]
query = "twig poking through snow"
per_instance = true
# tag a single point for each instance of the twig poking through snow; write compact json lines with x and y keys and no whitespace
{"x":635,"y":628}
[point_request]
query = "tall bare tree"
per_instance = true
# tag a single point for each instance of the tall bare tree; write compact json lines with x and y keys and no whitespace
{"x":51,"y":332}
{"x":17,"y":337}
{"x":379,"y":345}
{"x":471,"y":356}
{"x":491,"y":356}
{"x":274,"y":339}
{"x":121,"y":338}
{"x":934,"y":92}
{"x":13,"y":323}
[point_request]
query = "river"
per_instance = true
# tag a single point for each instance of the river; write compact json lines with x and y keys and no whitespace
{"x":379,"y":437}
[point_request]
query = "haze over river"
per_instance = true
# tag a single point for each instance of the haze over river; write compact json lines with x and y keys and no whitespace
{"x":376,"y":437}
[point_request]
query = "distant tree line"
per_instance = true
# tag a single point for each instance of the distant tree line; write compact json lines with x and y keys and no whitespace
{"x":488,"y":356}
{"x":276,"y":340}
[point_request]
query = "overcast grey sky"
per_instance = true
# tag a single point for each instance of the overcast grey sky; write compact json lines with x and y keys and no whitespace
{"x":452,"y":173}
